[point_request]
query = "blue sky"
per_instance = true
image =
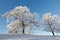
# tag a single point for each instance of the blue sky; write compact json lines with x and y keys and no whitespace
{"x":39,"y":6}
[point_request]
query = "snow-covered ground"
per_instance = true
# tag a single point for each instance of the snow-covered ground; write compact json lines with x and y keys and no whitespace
{"x":26,"y":37}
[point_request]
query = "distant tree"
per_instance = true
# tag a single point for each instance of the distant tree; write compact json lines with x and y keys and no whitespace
{"x":50,"y":22}
{"x":19,"y":18}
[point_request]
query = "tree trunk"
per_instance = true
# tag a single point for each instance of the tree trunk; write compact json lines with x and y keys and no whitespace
{"x":52,"y":30}
{"x":23,"y":26}
{"x":23,"y":31}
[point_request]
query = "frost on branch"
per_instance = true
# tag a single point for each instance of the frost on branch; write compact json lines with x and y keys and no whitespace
{"x":20,"y":17}
{"x":50,"y":22}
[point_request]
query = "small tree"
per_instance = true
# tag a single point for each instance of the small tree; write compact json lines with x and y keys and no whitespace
{"x":50,"y":21}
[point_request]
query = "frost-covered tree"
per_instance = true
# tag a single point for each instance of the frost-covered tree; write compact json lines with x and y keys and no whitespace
{"x":19,"y":18}
{"x":50,"y":22}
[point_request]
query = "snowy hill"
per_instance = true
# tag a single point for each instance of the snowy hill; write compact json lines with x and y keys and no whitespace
{"x":26,"y":37}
